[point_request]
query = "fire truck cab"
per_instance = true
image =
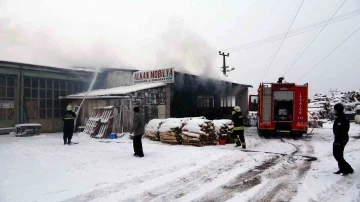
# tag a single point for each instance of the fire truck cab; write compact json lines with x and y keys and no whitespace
{"x":281,"y":107}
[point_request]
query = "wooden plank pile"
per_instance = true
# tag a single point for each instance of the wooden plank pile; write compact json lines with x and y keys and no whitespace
{"x":224,"y":129}
{"x":99,"y":124}
{"x":152,"y":129}
{"x":170,"y":130}
{"x":199,"y":132}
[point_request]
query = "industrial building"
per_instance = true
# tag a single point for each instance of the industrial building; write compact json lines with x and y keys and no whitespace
{"x":160,"y":94}
{"x":39,"y":94}
{"x":30,"y":93}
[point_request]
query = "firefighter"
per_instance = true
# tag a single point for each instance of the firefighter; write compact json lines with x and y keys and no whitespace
{"x":68,"y":118}
{"x":238,"y":132}
{"x":341,"y":128}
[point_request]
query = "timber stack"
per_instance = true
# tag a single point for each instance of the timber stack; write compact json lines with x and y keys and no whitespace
{"x":199,"y":132}
{"x":152,"y":129}
{"x":170,"y":130}
{"x":224,"y":129}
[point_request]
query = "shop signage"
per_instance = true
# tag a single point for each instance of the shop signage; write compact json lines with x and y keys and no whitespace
{"x":6,"y":104}
{"x":154,"y":76}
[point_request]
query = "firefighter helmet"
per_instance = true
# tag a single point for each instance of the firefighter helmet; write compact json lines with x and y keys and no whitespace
{"x":69,"y":108}
{"x":237,"y":109}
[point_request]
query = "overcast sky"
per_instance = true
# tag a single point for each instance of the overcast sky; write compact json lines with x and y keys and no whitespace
{"x":148,"y":34}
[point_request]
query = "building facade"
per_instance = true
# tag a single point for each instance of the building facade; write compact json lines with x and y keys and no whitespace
{"x":184,"y":96}
{"x":31,"y":93}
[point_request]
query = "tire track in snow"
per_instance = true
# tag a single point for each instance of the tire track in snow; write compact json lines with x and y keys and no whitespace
{"x":242,"y":182}
{"x":98,"y":193}
{"x":283,"y":188}
{"x":337,"y":190}
{"x":175,"y":190}
{"x":284,"y":182}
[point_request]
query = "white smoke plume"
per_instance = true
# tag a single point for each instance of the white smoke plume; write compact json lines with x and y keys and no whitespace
{"x":51,"y":48}
{"x":187,"y":52}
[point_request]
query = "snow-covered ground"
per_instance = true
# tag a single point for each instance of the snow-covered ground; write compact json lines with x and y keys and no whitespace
{"x":40,"y":168}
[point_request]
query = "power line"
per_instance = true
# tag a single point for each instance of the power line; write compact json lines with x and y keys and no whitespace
{"x":328,"y":54}
{"x":302,"y":53}
{"x":293,"y":32}
{"x":277,"y":51}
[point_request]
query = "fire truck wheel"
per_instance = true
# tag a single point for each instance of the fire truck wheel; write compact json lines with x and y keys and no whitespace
{"x":296,"y":134}
{"x":264,"y":134}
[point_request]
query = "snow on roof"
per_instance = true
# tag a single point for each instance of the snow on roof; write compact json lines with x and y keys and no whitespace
{"x":28,"y":124}
{"x":219,"y":77}
{"x":76,"y":68}
{"x":121,"y":90}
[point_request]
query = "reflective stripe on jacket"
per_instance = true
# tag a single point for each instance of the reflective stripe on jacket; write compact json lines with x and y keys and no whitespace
{"x":238,"y":120}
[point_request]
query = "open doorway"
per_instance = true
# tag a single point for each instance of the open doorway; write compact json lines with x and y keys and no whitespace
{"x":283,"y":110}
{"x":283,"y":106}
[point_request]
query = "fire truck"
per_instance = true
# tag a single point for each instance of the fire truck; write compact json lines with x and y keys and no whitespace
{"x":281,"y":107}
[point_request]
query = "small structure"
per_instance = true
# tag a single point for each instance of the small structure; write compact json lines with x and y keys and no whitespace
{"x":23,"y":130}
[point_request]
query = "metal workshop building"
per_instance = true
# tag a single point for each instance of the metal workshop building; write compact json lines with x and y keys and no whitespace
{"x":30,"y":93}
{"x":167,"y":93}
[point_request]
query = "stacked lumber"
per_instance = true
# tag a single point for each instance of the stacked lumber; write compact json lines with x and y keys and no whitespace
{"x":224,"y":129}
{"x":152,"y":129}
{"x":199,"y":132}
{"x":99,"y":124}
{"x":170,"y":130}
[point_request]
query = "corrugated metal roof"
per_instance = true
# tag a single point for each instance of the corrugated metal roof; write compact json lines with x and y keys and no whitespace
{"x":121,"y":90}
{"x":47,"y":68}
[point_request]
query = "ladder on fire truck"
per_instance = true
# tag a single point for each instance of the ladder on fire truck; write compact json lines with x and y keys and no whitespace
{"x":267,"y":103}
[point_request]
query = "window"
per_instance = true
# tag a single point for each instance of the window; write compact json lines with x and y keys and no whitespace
{"x":31,"y":93}
{"x":228,"y":101}
{"x":205,"y":101}
{"x":7,"y":97}
{"x":358,"y":112}
{"x":42,"y":96}
{"x":72,"y":87}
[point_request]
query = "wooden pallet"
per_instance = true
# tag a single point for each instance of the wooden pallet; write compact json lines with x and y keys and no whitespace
{"x":99,"y":124}
{"x":105,"y":123}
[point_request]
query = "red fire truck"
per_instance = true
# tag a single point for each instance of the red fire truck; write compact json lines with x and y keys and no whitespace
{"x":281,"y":107}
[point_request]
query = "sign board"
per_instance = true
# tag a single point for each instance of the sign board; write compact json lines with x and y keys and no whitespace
{"x":6,"y":104}
{"x":301,"y":99}
{"x":154,"y":76}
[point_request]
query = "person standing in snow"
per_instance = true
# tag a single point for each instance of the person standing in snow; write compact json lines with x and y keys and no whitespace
{"x":138,"y":129}
{"x":238,"y":131}
{"x":341,"y":128}
{"x":68,"y":118}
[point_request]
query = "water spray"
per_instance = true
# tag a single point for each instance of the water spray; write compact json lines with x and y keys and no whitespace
{"x":87,"y":92}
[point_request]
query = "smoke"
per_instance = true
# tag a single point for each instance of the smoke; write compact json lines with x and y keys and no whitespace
{"x":186,"y":51}
{"x":52,"y":48}
{"x":176,"y":47}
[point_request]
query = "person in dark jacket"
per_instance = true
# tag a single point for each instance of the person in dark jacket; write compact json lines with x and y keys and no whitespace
{"x":238,"y":131}
{"x":341,"y":128}
{"x":68,"y":118}
{"x":138,"y":129}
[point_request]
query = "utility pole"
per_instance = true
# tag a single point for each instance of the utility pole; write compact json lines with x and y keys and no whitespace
{"x":224,"y":67}
{"x":334,"y":91}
